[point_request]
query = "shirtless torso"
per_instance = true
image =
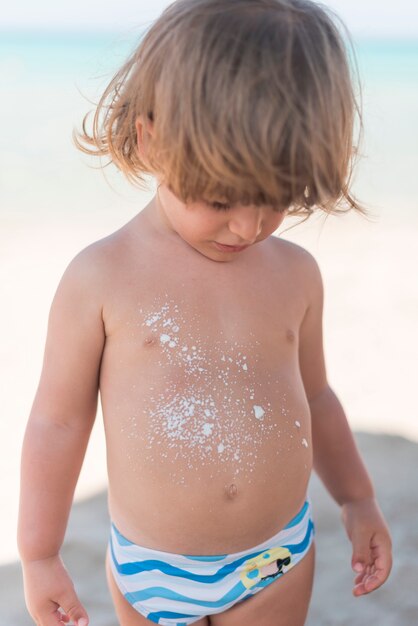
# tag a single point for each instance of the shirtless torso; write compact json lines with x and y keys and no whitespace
{"x":206,"y":418}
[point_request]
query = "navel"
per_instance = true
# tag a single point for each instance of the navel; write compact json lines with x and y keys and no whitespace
{"x":150,"y":341}
{"x":231,"y":491}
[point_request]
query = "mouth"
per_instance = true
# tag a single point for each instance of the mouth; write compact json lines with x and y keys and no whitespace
{"x":224,"y":248}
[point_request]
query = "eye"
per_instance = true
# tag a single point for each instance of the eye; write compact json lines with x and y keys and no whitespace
{"x":220,"y":206}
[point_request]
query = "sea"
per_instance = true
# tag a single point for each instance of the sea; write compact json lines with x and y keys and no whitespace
{"x":50,"y":80}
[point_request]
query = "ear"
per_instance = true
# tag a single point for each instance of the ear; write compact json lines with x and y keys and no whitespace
{"x":144,"y":129}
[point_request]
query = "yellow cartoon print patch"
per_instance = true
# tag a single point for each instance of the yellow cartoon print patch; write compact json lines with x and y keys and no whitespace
{"x":268,"y":564}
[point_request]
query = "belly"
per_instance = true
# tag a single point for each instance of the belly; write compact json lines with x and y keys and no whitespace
{"x":208,"y":464}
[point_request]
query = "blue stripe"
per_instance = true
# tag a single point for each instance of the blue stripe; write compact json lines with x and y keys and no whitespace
{"x":130,"y":569}
{"x":155,"y":617}
{"x":299,"y":517}
{"x":206,"y":559}
{"x":163,"y":592}
{"x":122,"y":541}
{"x":297,"y":548}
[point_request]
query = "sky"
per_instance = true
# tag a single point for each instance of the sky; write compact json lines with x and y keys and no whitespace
{"x":372,"y":18}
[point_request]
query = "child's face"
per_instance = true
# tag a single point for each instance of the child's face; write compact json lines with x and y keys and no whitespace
{"x":220,"y":234}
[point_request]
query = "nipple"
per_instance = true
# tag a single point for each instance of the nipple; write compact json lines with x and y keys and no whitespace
{"x":290,"y":335}
{"x":231,"y":491}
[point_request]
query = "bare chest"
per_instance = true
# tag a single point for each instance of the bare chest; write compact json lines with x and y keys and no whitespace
{"x":202,"y":369}
{"x":223,"y":325}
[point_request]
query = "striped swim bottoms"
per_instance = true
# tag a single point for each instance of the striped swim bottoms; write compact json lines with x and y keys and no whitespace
{"x":179,"y":589}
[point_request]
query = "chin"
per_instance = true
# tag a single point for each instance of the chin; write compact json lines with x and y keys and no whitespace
{"x":213,"y":255}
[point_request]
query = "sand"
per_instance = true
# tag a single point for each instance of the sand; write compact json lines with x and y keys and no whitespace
{"x":393,"y":462}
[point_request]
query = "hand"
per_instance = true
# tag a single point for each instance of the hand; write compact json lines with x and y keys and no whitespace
{"x":49,"y":593}
{"x":372,"y":545}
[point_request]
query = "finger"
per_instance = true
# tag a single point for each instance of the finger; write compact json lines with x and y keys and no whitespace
{"x":359,"y":584}
{"x":73,"y":608}
{"x":381,"y":565}
{"x":372,"y":582}
{"x":382,"y":558}
{"x":361,"y":551}
{"x":375,"y":580}
{"x":63,"y":618}
{"x":51,"y":615}
{"x":359,"y":590}
{"x":51,"y":620}
{"x":369,"y":581}
{"x":365,"y":583}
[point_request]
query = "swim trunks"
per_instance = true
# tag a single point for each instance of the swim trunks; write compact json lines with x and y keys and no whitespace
{"x":179,"y":589}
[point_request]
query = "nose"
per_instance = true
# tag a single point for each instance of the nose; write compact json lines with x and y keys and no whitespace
{"x":246,"y":223}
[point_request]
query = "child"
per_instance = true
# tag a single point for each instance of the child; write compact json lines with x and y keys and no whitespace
{"x":203,"y":332}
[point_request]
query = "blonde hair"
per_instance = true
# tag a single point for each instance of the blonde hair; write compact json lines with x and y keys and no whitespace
{"x":250,"y":101}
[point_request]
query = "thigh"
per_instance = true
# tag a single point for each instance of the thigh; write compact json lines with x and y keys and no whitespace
{"x":284,"y":602}
{"x":125,"y":612}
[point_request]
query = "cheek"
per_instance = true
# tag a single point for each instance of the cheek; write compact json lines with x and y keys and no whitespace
{"x":274,"y":222}
{"x":203,"y":225}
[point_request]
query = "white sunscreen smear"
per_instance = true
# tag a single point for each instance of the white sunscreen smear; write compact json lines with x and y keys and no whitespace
{"x":205,"y":405}
{"x":258,"y":411}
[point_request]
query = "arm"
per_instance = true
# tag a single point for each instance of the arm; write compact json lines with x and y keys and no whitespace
{"x":336,"y":458}
{"x":57,"y":433}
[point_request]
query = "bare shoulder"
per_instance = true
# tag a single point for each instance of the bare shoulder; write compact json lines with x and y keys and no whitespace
{"x":97,"y":276}
{"x":94,"y":264}
{"x":83,"y":288}
{"x":299,"y":262}
{"x":102,"y":250}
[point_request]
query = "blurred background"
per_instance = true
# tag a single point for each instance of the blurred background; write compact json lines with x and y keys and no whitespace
{"x":55,"y":59}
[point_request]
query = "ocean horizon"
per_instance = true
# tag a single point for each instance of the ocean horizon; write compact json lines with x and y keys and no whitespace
{"x":60,"y":73}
